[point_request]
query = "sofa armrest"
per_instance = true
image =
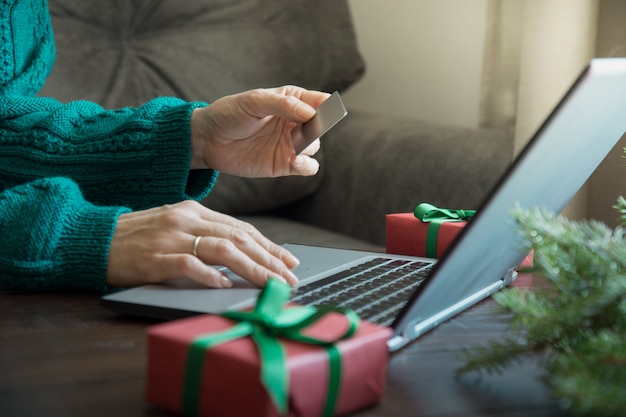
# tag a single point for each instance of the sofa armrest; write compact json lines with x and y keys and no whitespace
{"x":374,"y":165}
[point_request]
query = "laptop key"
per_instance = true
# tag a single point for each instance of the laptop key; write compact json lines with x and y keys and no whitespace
{"x":376,"y":289}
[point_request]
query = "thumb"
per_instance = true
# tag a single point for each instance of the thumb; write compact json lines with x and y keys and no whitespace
{"x":262,"y":103}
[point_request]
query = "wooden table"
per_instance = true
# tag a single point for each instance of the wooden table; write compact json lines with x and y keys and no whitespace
{"x":64,"y":355}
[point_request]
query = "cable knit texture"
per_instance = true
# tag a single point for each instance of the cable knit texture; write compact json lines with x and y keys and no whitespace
{"x":67,"y":171}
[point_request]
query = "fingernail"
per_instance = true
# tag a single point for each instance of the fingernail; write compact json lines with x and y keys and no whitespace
{"x":292,"y":277}
{"x":290,"y":260}
{"x":226,"y":282}
{"x":305,"y":111}
{"x":278,"y":277}
{"x":299,"y":160}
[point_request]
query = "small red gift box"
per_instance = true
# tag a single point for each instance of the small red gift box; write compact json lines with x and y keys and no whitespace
{"x":407,"y":235}
{"x":230,"y":382}
{"x":426,"y":232}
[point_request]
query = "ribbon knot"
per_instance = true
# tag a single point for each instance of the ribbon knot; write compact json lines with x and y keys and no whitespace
{"x":267,"y":321}
{"x":464,"y":214}
{"x":436,"y":216}
{"x":428,"y":213}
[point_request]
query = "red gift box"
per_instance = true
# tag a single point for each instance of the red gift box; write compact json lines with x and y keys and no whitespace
{"x":230,"y":373}
{"x":406,"y":235}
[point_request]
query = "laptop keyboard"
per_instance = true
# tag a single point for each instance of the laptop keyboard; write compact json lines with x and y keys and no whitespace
{"x":376,"y":290}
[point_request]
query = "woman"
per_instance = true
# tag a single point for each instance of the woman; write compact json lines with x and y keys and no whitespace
{"x":92,"y":198}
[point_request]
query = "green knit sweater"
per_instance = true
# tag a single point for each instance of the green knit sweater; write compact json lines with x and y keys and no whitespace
{"x":67,"y":171}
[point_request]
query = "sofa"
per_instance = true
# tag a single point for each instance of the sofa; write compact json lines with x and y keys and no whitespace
{"x":120,"y":53}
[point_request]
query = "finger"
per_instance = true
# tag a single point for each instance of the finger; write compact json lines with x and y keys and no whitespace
{"x":224,"y":226}
{"x":263,"y":252}
{"x":225,"y":252}
{"x":277,"y":251}
{"x":217,"y":221}
{"x":263,"y":103}
{"x":314,"y":98}
{"x":181,"y":265}
{"x":303,"y":102}
{"x":304,"y":165}
{"x":312,"y":149}
{"x":284,"y":255}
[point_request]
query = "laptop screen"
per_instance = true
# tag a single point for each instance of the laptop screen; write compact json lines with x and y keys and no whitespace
{"x":549,"y":171}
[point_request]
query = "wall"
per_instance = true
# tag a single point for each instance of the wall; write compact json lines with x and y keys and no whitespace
{"x":425,"y":61}
{"x":609,"y":180}
{"x":558,"y":40}
{"x":424,"y":58}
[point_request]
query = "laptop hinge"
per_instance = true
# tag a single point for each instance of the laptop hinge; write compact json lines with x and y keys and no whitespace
{"x":420,"y":326}
{"x":395,"y":342}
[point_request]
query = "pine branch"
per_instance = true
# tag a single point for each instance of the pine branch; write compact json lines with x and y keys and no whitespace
{"x":494,"y":356}
{"x":593,"y":378}
{"x":579,"y":319}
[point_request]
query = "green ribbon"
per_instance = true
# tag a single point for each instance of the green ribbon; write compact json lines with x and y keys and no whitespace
{"x":436,"y":217}
{"x":265,"y":323}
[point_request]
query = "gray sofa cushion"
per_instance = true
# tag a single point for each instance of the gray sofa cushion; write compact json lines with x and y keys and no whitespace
{"x":239,"y":196}
{"x":121,"y":53}
{"x":282,"y":230}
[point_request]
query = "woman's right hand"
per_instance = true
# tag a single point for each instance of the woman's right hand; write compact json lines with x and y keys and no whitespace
{"x":157,"y":244}
{"x":250,"y":134}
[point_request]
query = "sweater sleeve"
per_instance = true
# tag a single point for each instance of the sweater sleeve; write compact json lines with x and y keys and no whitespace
{"x":52,"y":238}
{"x":135,"y":157}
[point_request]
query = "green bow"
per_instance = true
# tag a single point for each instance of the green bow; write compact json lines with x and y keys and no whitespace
{"x":264,"y":324}
{"x":436,"y":216}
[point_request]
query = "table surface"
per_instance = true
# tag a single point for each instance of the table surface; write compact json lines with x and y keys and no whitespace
{"x":65,"y":355}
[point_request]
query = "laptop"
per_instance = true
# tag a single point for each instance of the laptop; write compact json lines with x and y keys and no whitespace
{"x":484,"y":257}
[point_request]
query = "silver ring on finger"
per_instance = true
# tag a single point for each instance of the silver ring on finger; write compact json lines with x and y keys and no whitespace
{"x":196,"y":243}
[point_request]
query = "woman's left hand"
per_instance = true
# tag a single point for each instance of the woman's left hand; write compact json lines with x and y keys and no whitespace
{"x":249,"y":134}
